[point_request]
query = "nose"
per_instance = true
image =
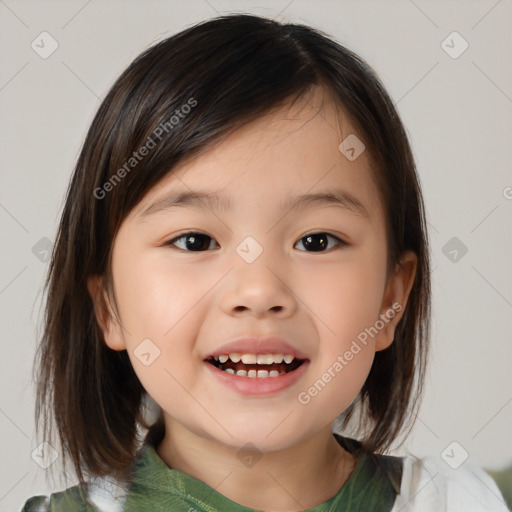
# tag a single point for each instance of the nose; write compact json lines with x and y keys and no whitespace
{"x":258,"y":289}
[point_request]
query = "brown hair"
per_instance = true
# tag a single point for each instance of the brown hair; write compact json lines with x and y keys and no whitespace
{"x":235,"y":68}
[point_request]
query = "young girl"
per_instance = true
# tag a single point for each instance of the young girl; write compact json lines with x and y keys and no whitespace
{"x":243,"y":246}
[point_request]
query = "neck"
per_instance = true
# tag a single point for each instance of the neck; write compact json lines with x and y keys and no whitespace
{"x":293,"y":478}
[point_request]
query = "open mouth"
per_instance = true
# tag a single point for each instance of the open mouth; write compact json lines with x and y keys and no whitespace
{"x":259,"y":366}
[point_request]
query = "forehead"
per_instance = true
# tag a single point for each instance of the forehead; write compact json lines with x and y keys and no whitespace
{"x":289,"y":152}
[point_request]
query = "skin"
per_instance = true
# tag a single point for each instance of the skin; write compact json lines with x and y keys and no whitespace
{"x":189,"y":303}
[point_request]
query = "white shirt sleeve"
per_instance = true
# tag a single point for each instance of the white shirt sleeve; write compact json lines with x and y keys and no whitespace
{"x":430,"y":485}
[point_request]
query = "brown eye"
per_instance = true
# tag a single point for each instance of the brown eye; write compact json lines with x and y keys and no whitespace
{"x":192,"y":241}
{"x":318,"y":242}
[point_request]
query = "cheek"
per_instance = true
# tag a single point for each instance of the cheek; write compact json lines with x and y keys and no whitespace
{"x":158,"y":306}
{"x":153,"y":295}
{"x":346,"y":298}
{"x":336,"y":386}
{"x":161,"y":302}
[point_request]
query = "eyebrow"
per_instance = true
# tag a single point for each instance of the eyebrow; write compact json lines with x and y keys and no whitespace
{"x":213,"y":201}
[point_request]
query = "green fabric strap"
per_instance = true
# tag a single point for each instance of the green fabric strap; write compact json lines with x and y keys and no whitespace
{"x":73,"y":499}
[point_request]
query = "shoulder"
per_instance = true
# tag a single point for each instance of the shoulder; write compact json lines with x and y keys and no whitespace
{"x":101,"y":495}
{"x":71,"y":499}
{"x":37,"y":504}
{"x":430,"y":485}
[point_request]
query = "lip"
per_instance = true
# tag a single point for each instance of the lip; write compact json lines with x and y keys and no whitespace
{"x":257,"y":386}
{"x":258,"y":345}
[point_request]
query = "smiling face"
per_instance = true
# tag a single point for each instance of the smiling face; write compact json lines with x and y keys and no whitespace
{"x":253,"y":264}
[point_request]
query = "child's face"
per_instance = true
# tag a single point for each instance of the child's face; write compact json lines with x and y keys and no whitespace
{"x":319,"y":299}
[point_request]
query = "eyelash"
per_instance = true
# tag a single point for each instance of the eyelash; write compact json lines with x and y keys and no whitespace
{"x":340,"y":243}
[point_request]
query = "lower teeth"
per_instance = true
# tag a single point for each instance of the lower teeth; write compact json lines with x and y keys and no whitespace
{"x":255,"y":373}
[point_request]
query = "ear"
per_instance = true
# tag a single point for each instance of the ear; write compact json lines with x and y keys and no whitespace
{"x":107,"y":320}
{"x":396,"y":294}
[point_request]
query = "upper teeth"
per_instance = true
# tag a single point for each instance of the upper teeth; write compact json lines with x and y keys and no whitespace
{"x":256,"y":359}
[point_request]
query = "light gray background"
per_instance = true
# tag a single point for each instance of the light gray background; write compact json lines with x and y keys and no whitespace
{"x":457,"y":113}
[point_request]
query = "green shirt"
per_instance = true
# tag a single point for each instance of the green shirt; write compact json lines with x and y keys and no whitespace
{"x":372,"y":487}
